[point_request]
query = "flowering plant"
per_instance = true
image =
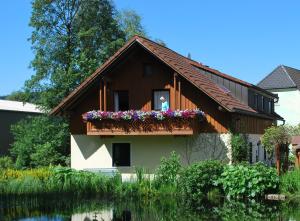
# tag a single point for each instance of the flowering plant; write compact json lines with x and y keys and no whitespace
{"x":142,"y":115}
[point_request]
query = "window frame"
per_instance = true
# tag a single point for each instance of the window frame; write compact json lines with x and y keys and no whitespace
{"x":153,"y":97}
{"x":112,"y":153}
{"x":114,"y":104}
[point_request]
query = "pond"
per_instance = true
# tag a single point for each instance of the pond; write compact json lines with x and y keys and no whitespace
{"x":62,"y":209}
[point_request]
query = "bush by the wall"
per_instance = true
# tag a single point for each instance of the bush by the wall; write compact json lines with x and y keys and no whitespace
{"x":249,"y":180}
{"x":240,"y":148}
{"x":198,"y":179}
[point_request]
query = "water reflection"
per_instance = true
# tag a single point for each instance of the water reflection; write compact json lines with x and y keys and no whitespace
{"x":66,"y":209}
{"x":104,"y":215}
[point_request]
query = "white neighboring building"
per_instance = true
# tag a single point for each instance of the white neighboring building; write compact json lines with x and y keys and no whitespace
{"x":285,"y":82}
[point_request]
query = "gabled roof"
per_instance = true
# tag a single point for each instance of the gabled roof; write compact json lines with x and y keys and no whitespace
{"x":180,"y":64}
{"x":282,"y":77}
{"x":6,"y":105}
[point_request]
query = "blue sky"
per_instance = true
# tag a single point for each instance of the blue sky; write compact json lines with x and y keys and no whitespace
{"x":246,"y":39}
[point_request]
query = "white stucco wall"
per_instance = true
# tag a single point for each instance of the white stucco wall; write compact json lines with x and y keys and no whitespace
{"x":258,"y":152}
{"x":94,"y":152}
{"x":288,"y":105}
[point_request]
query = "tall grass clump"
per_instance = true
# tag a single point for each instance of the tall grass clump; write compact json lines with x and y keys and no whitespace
{"x":166,"y":175}
{"x":57,"y":180}
{"x":290,"y":182}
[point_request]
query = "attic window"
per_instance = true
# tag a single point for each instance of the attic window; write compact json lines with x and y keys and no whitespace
{"x":147,"y":70}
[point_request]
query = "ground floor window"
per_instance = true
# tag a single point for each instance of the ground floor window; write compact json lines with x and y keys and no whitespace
{"x":121,"y":154}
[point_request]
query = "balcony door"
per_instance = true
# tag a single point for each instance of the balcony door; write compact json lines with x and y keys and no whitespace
{"x":121,"y":100}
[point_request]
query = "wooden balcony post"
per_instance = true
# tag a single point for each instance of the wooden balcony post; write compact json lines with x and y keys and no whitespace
{"x":100,"y":96}
{"x":104,"y":96}
{"x":174,"y":105}
{"x":179,"y":95}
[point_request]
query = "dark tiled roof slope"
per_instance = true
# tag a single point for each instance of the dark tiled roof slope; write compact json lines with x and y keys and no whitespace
{"x":281,"y":77}
{"x":180,"y":64}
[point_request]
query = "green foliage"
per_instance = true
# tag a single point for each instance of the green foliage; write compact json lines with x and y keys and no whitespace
{"x":40,"y":141}
{"x":200,"y":178}
{"x":70,"y":39}
{"x":240,"y":148}
{"x":6,"y":162}
{"x":276,"y":135}
{"x":168,"y":170}
{"x":290,"y":182}
{"x":249,"y":180}
{"x":130,"y":23}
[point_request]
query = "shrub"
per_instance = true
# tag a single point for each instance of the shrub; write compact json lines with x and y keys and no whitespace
{"x":249,"y":180}
{"x":290,"y":182}
{"x":200,"y":178}
{"x":168,"y":170}
{"x":40,"y":141}
{"x":240,"y":148}
{"x":6,"y":162}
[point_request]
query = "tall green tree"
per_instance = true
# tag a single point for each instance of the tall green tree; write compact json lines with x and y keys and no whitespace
{"x":70,"y":39}
{"x":130,"y":23}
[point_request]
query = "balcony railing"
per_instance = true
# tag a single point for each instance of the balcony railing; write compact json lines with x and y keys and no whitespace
{"x":143,"y":123}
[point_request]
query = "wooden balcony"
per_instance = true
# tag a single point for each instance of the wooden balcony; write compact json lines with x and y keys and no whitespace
{"x":109,"y":127}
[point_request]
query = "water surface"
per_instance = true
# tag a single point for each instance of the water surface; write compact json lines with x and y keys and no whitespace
{"x":63,"y":209}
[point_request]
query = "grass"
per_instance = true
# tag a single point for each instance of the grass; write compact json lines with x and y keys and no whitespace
{"x":290,"y":183}
{"x":55,"y":180}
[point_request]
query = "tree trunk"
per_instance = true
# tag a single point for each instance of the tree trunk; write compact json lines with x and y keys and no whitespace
{"x":278,"y":158}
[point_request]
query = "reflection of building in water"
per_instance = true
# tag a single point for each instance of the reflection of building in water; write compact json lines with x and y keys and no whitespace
{"x":104,"y":215}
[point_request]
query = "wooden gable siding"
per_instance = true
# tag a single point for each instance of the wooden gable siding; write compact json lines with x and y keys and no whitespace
{"x":129,"y":76}
{"x":249,"y":124}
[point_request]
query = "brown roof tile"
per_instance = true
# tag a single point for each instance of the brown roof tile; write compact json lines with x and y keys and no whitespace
{"x":179,"y":64}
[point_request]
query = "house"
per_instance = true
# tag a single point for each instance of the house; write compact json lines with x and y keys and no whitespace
{"x":285,"y":82}
{"x":135,"y":78}
{"x":10,"y":113}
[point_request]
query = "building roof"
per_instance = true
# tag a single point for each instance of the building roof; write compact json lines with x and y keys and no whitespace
{"x":6,"y":105}
{"x":282,"y":77}
{"x":180,"y":64}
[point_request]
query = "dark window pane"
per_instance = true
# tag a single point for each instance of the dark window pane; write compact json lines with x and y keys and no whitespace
{"x":121,"y":154}
{"x":121,"y":100}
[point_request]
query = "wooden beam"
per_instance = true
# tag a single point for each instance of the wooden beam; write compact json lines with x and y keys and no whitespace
{"x":179,"y":94}
{"x":174,"y":105}
{"x":101,"y":96}
{"x":105,"y":96}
